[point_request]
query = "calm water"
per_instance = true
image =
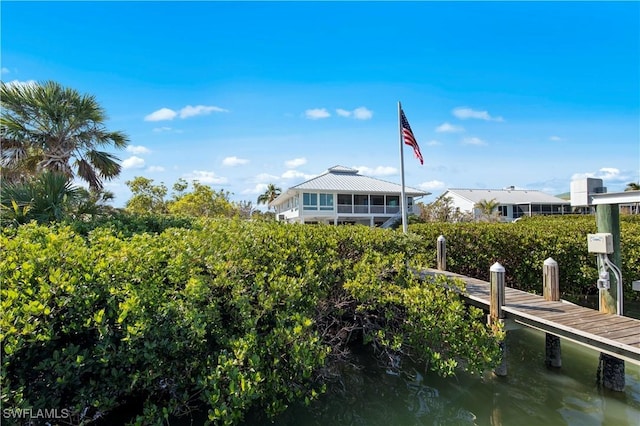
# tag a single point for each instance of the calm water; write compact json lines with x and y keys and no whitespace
{"x":530,"y":394}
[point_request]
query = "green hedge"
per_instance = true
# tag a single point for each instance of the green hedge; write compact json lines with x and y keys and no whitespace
{"x":522,"y":247}
{"x":126,"y":224}
{"x":230,"y":315}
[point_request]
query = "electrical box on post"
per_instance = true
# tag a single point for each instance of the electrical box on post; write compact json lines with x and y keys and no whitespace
{"x":601,"y":243}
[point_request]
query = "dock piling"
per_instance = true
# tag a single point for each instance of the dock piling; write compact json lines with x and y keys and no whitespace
{"x":496,"y":314}
{"x":551,"y":292}
{"x":441,"y":258}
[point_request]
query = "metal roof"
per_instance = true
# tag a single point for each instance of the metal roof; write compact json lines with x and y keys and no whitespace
{"x":346,"y":180}
{"x":507,"y":196}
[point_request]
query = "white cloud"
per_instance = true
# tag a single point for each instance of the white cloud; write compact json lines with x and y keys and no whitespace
{"x":433,"y":142}
{"x":292,"y":174}
{"x":192,"y":111}
{"x":234,"y":161}
{"x":138,"y":149}
{"x":155,"y":169}
{"x":5,"y":70}
{"x":260,"y":188}
{"x":161,"y":115}
{"x":133,"y":162}
{"x":296,"y":162}
{"x":162,"y":129}
{"x":186,"y":112}
{"x":316,"y":113}
{"x":473,"y":141}
{"x":605,"y":173}
{"x":266,"y":178}
{"x":377,"y":171}
{"x":22,"y":83}
{"x":609,"y":173}
{"x":449,"y":128}
{"x":464,"y":113}
{"x":204,"y":176}
{"x":431,"y":184}
{"x":362,"y":113}
{"x":556,"y":138}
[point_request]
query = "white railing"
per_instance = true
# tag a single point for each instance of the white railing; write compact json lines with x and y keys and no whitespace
{"x":362,"y":209}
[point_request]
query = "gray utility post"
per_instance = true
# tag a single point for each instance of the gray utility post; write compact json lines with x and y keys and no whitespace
{"x":612,"y":368}
{"x":551,"y":292}
{"x":496,"y":315}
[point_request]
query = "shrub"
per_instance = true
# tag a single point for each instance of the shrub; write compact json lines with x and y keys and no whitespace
{"x":224,"y":314}
{"x":523,"y":246}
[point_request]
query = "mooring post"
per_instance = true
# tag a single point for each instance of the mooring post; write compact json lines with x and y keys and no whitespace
{"x":551,"y":292}
{"x":496,"y":315}
{"x":441,"y":258}
{"x":611,"y":368}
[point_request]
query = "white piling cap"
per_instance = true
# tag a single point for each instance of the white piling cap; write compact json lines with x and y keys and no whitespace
{"x":496,"y":267}
{"x":441,"y":238}
{"x":550,"y":262}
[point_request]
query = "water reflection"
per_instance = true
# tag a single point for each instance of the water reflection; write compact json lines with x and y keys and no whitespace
{"x":530,"y":395}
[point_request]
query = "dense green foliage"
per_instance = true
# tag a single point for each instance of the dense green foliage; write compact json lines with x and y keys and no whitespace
{"x":202,"y":201}
{"x":228,"y":315}
{"x":125,"y":224}
{"x":48,"y":197}
{"x":523,"y":246}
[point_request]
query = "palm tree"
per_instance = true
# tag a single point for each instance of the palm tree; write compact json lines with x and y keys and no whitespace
{"x":92,"y":204}
{"x":46,"y":198}
{"x":487,"y":208}
{"x":270,"y":194}
{"x":632,"y":186}
{"x":50,"y":127}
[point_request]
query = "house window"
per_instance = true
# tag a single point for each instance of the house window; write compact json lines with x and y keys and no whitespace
{"x":361,"y":204}
{"x":344,"y":199}
{"x":393,"y":204}
{"x":326,"y":201}
{"x":345,"y":203}
{"x":361,"y":200}
{"x":377,"y":204}
{"x":503,"y":211}
{"x":310,"y":201}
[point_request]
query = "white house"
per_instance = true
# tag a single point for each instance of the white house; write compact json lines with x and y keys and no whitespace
{"x":342,"y":196}
{"x":513,"y":203}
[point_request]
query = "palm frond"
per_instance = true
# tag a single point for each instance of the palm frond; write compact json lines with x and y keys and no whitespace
{"x":105,"y":163}
{"x":87,"y":173}
{"x":57,"y":123}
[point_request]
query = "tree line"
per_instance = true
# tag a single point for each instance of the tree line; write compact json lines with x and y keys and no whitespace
{"x":52,"y":135}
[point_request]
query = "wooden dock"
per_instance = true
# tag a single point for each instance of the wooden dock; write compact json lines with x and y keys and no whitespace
{"x":614,"y":335}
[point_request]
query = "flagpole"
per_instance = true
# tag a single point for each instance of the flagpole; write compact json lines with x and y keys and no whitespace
{"x":403,"y":198}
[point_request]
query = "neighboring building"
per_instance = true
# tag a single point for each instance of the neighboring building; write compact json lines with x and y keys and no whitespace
{"x":582,"y":191}
{"x":342,"y":196}
{"x":587,"y":193}
{"x":513,"y":203}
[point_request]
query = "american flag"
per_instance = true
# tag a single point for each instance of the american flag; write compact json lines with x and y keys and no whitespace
{"x":408,"y":137}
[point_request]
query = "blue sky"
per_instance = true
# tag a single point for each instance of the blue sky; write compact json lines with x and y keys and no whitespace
{"x":238,"y":95}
